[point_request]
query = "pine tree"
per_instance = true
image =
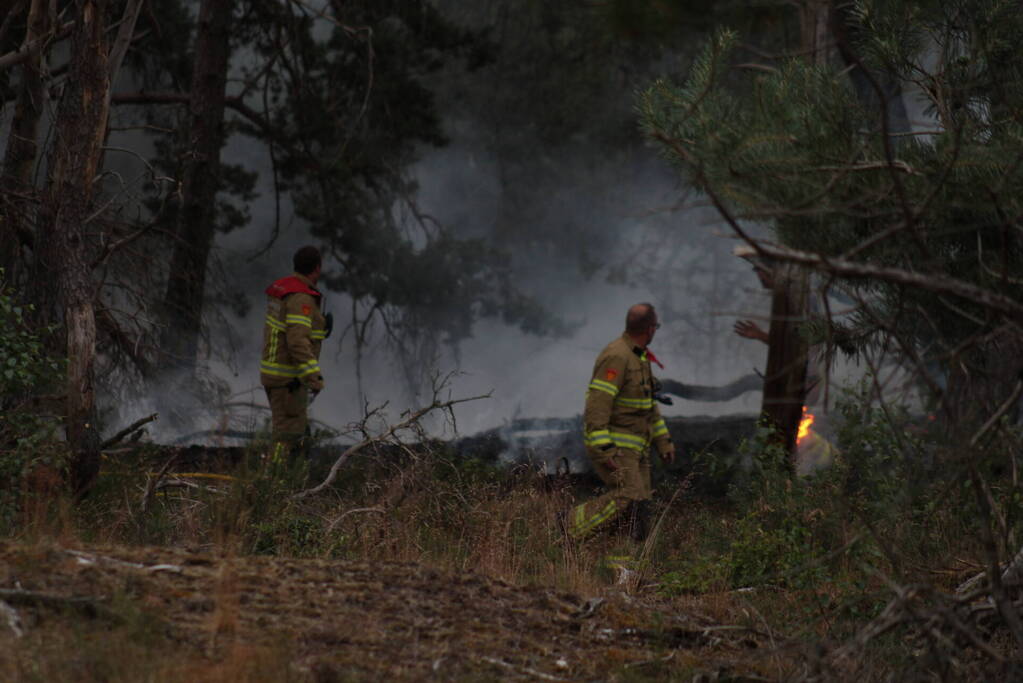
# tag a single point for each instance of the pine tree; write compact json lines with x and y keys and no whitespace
{"x":922,"y":226}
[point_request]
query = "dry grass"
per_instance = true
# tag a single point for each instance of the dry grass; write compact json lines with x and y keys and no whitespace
{"x":261,"y":618}
{"x":431,"y":511}
{"x":79,"y":652}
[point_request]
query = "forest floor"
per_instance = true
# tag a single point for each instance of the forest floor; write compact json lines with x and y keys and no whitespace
{"x":78,"y":612}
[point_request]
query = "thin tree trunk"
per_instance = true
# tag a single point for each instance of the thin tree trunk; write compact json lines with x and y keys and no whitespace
{"x":62,"y":244}
{"x":22,"y":144}
{"x":196,"y":223}
{"x":785,"y":379}
{"x":815,"y":33}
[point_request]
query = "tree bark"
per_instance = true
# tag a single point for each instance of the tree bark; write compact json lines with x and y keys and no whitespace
{"x":62,"y":244}
{"x":785,"y":379}
{"x":22,"y":143}
{"x":815,"y":32}
{"x":196,"y":222}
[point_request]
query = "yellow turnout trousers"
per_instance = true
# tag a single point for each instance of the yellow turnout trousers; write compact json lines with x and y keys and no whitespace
{"x":628,"y":483}
{"x":289,"y":419}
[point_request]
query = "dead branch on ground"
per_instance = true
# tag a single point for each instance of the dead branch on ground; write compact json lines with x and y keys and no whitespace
{"x":411,"y":423}
{"x":116,"y":438}
{"x":89,"y":559}
{"x":153,"y":483}
{"x":12,"y":618}
{"x":88,"y":605}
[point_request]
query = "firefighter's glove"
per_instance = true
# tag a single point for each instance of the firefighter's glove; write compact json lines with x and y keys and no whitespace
{"x":655,"y":387}
{"x":668,"y":456}
{"x":315,"y":383}
{"x":606,"y":457}
{"x":328,"y":324}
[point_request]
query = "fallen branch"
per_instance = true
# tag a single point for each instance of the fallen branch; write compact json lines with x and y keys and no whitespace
{"x":87,"y":559}
{"x":892,"y":616}
{"x":337,"y":521}
{"x":153,"y":482}
{"x":412,"y":421}
{"x":89,"y":606}
{"x":521,"y":670}
{"x":175,"y":482}
{"x":950,"y":623}
{"x":659,"y":660}
{"x":128,"y":430}
{"x":12,"y":618}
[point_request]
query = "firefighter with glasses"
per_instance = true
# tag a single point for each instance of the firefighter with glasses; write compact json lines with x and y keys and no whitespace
{"x":621,"y":422}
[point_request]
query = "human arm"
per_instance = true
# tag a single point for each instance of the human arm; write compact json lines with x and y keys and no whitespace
{"x":750,"y":330}
{"x":661,"y":438}
{"x":298,"y":310}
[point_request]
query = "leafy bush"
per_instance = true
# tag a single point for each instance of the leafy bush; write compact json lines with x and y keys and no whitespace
{"x":798,"y":531}
{"x":26,"y":369}
{"x":24,"y":363}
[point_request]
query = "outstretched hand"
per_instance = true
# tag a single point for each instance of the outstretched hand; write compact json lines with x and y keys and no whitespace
{"x":750,"y":330}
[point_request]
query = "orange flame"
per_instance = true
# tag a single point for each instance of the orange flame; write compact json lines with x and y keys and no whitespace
{"x":804,"y":425}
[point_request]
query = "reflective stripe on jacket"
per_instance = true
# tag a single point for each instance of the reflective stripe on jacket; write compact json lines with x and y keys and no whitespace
{"x":292,"y":334}
{"x":620,"y":407}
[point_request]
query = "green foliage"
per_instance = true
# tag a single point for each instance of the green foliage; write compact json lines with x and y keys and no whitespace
{"x":812,"y":548}
{"x":884,"y":464}
{"x":350,"y":114}
{"x":796,"y":147}
{"x":24,"y":364}
{"x":787,"y":525}
{"x":26,"y":433}
{"x":341,"y":106}
{"x":883,"y":494}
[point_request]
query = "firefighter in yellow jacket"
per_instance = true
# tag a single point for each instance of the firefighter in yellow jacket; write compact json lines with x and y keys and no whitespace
{"x":620,"y":423}
{"x":290,"y":367}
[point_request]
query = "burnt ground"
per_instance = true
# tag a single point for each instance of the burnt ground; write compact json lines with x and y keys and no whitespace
{"x":349,"y":620}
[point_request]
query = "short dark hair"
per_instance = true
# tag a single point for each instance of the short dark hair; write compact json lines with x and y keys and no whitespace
{"x":306,"y":259}
{"x":640,"y":318}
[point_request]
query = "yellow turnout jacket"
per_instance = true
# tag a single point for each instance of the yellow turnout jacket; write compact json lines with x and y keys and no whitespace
{"x":294,"y":330}
{"x":620,"y":407}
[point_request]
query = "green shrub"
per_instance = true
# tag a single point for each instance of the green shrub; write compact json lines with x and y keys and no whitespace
{"x":26,"y":434}
{"x":798,"y":531}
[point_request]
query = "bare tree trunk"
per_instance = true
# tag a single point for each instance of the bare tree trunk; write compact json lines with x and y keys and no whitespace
{"x":22,"y":144}
{"x":197,"y":218}
{"x":785,"y":380}
{"x":815,"y":32}
{"x":62,"y":244}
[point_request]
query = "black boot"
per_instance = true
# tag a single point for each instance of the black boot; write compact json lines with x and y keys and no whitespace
{"x":639,"y":518}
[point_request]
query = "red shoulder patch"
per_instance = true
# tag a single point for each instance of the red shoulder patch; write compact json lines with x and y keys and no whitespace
{"x":306,"y":309}
{"x":611,"y":374}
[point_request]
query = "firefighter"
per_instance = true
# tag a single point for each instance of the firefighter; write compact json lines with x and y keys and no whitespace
{"x":289,"y":370}
{"x":620,"y":422}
